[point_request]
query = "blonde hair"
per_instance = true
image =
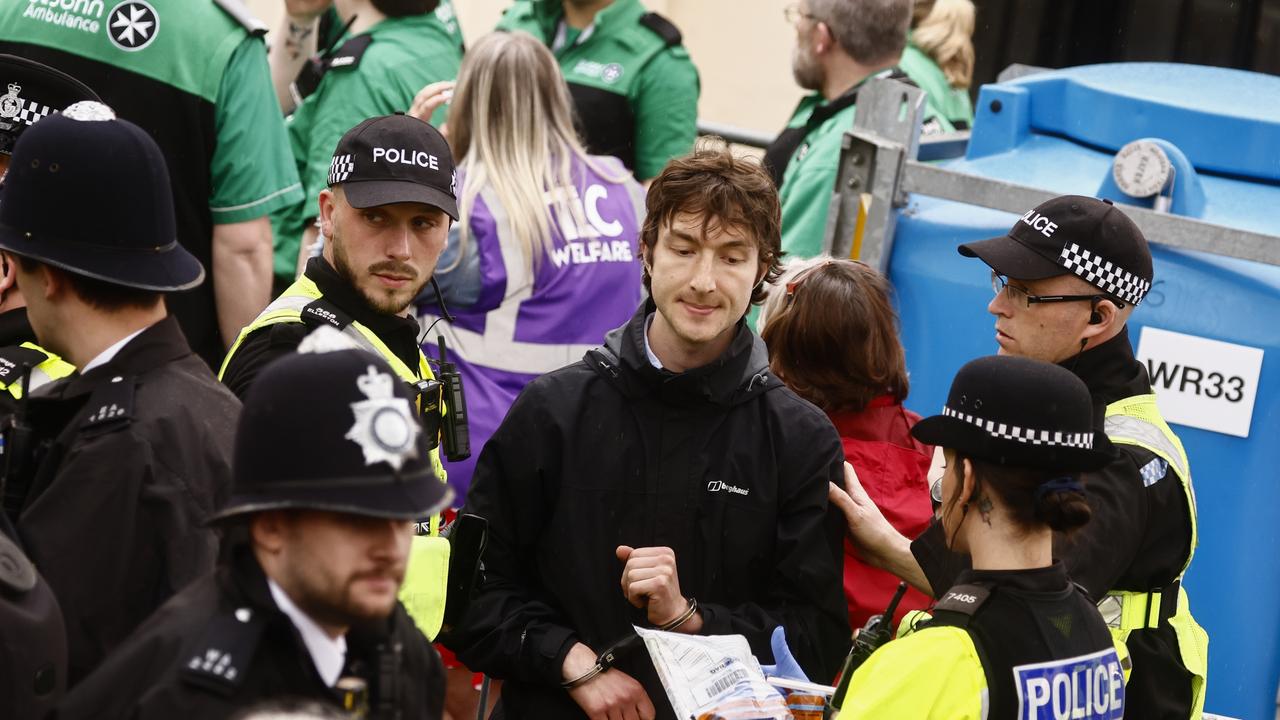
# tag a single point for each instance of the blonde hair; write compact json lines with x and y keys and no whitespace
{"x":777,"y":296}
{"x":945,"y":33}
{"x":511,"y":129}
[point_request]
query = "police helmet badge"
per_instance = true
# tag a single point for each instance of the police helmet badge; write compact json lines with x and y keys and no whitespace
{"x":385,"y":428}
{"x":10,"y":103}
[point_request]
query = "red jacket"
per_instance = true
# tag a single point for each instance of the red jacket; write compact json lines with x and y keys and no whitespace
{"x":892,"y":467}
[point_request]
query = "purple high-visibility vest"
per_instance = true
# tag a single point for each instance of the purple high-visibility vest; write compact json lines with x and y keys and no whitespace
{"x":528,"y":323}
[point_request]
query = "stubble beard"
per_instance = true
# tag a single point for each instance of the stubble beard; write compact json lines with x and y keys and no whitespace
{"x":387,"y":302}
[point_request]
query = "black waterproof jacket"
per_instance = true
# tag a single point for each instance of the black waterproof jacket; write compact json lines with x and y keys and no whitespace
{"x":723,"y":464}
{"x":132,"y":457}
{"x":1138,"y":538}
{"x":222,"y":645}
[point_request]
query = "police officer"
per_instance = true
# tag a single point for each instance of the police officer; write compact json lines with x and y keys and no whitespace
{"x":33,"y":639}
{"x":331,"y":469}
{"x":383,"y":52}
{"x":34,"y":92}
{"x":108,"y":473}
{"x":386,"y":217}
{"x":1067,"y":277}
{"x":194,"y":75}
{"x":633,"y":85}
{"x":1013,"y":638}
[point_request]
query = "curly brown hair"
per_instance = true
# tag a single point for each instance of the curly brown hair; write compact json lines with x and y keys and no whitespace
{"x":835,"y":340}
{"x":725,"y":190}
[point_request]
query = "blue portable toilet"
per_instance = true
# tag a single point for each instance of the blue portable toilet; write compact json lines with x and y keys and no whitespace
{"x":1209,"y":330}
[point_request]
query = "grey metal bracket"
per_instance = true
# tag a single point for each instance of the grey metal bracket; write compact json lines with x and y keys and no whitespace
{"x":886,"y":131}
{"x":880,"y":158}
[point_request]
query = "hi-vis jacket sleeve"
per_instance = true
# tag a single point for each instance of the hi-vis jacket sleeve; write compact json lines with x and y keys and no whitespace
{"x":933,"y":674}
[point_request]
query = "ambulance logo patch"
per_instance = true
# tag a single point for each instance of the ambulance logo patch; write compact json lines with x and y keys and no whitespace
{"x":133,"y":25}
{"x":611,"y":73}
{"x":1085,"y":687}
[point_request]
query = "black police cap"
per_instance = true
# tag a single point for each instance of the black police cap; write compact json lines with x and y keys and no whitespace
{"x":394,"y":159}
{"x":89,"y":193}
{"x":1085,"y":236}
{"x":1019,"y":412}
{"x":334,"y":431}
{"x":30,"y":92}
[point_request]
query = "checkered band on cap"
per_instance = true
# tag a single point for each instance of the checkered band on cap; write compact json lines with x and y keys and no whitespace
{"x":33,"y":112}
{"x":1104,"y":274}
{"x":339,"y":168}
{"x":1027,"y":436}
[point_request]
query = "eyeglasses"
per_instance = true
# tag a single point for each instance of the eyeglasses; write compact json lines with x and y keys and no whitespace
{"x":793,"y":13}
{"x":1000,"y":284}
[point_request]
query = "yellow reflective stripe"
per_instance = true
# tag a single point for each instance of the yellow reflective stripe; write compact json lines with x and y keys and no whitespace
{"x":52,"y":368}
{"x":1137,"y":421}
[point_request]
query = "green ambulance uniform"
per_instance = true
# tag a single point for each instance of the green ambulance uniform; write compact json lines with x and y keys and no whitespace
{"x":194,"y":75}
{"x":633,"y":85}
{"x":811,"y":174}
{"x":950,"y":102}
{"x":377,"y":72}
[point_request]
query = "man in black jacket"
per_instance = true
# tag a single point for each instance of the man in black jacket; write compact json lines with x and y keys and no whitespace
{"x":668,"y":479}
{"x":1066,"y":279}
{"x":109,"y":484}
{"x":332,"y":468}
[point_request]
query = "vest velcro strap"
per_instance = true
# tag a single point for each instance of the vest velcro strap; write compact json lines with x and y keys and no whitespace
{"x":1129,"y":610}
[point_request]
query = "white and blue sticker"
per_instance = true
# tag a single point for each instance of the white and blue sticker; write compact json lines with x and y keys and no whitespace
{"x":1153,"y":471}
{"x":1085,"y":687}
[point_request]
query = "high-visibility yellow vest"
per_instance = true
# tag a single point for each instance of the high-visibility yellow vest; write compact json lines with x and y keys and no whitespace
{"x":46,"y":371}
{"x":1137,"y":421}
{"x":426,"y":578}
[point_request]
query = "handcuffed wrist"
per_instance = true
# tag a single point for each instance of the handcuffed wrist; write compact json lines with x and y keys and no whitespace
{"x":683,"y":617}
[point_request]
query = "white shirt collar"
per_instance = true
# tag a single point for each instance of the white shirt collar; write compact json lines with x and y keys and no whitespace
{"x":653,"y":359}
{"x":110,"y":353}
{"x":329,"y":654}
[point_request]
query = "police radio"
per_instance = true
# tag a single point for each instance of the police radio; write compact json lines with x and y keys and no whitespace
{"x":451,"y":423}
{"x":877,"y":632}
{"x":455,"y":433}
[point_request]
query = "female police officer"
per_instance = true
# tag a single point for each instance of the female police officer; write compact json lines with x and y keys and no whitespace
{"x":1014,"y":637}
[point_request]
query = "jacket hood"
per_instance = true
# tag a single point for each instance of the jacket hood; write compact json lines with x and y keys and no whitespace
{"x":738,"y":375}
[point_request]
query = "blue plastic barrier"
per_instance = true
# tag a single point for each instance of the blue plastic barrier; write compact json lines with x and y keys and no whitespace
{"x":1059,"y":131}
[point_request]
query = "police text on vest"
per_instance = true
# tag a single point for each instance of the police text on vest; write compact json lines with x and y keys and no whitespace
{"x":1085,"y":687}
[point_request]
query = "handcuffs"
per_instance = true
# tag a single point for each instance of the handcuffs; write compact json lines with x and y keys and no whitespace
{"x":609,"y":657}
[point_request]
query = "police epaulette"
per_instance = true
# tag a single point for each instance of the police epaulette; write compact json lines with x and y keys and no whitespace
{"x":322,"y":312}
{"x":225,"y":651}
{"x":963,"y":599}
{"x":663,"y":28}
{"x":349,"y":53}
{"x":16,"y":360}
{"x":110,"y":406}
{"x":242,"y":15}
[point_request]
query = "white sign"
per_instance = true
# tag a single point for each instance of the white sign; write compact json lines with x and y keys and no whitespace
{"x":1202,"y":383}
